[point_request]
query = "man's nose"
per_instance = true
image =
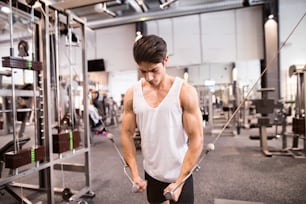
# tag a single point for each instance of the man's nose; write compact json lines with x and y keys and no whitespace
{"x":149,"y":76}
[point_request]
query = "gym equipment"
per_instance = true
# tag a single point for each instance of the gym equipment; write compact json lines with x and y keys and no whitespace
{"x":66,"y":195}
{"x":265,"y":107}
{"x":298,"y":122}
{"x":135,"y":187}
{"x":66,"y":141}
{"x":8,"y":147}
{"x":25,"y":156}
{"x":21,"y":63}
{"x":169,"y":195}
{"x":45,"y":23}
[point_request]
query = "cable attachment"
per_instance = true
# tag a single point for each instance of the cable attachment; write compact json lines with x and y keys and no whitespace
{"x":169,"y":195}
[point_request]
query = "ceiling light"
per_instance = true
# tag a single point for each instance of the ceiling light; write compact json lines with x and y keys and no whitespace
{"x":101,"y":7}
{"x":5,"y":9}
{"x":138,"y":35}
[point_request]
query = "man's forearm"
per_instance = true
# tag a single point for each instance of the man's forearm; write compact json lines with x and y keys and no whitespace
{"x":129,"y":151}
{"x":191,"y":158}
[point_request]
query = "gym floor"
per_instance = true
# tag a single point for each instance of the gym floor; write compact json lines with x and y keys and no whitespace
{"x":236,"y":172}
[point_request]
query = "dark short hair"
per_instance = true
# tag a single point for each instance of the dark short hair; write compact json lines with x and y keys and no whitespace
{"x":150,"y":48}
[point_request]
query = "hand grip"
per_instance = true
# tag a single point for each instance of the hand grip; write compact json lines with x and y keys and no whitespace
{"x":135,"y":188}
{"x":168,"y":195}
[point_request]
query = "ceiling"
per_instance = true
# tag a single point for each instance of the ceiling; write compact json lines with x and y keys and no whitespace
{"x":103,"y":13}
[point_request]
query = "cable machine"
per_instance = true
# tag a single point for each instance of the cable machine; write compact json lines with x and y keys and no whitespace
{"x":298,"y":122}
{"x":55,"y":143}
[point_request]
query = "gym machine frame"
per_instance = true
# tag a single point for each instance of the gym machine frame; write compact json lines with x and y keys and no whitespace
{"x":35,"y":154}
{"x":299,"y":122}
{"x":265,"y":107}
{"x":46,"y":169}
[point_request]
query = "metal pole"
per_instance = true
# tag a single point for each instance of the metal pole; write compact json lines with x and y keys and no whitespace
{"x":13,"y":78}
{"x":69,"y":18}
{"x":34,"y":77}
{"x":304,"y":100}
{"x":298,"y":95}
{"x":56,"y":33}
{"x":11,"y":29}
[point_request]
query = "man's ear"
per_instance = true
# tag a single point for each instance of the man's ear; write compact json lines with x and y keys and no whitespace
{"x":166,"y":59}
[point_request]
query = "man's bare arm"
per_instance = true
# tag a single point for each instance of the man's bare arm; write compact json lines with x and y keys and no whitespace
{"x":127,"y":140}
{"x":192,"y":122}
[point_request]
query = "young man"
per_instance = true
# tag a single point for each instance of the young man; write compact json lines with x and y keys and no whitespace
{"x":166,"y":111}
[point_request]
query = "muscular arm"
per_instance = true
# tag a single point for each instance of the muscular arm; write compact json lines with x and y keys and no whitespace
{"x":127,"y":133}
{"x":192,"y":122}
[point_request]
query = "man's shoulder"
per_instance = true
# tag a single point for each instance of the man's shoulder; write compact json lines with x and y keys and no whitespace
{"x":187,"y":87}
{"x":188,"y":93}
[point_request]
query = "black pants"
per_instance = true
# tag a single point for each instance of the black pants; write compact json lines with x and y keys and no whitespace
{"x":155,"y":190}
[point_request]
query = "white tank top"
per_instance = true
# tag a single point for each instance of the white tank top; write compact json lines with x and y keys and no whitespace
{"x":163,"y":139}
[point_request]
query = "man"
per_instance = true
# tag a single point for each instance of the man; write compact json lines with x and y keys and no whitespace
{"x":166,"y":111}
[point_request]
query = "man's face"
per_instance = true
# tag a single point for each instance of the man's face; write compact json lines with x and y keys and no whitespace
{"x":153,"y":72}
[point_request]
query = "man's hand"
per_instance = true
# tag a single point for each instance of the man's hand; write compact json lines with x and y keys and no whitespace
{"x":141,"y":183}
{"x":176,"y":194}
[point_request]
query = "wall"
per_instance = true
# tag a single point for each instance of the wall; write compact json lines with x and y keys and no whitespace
{"x":115,"y":45}
{"x":217,"y":37}
{"x":91,"y":46}
{"x":119,"y":82}
{"x":205,"y":43}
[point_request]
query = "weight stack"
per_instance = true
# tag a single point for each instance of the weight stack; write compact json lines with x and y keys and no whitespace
{"x":25,"y":156}
{"x":66,"y":141}
{"x":15,"y":62}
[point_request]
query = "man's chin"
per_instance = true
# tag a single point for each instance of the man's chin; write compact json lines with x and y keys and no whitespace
{"x":152,"y":83}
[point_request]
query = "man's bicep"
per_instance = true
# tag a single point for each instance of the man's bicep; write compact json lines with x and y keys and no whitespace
{"x":192,"y":118}
{"x":128,"y":121}
{"x":128,"y":117}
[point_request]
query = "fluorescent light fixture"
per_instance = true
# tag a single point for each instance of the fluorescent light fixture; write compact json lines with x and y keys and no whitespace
{"x":5,"y":9}
{"x":186,"y":76}
{"x":234,"y":74}
{"x":209,"y":82}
